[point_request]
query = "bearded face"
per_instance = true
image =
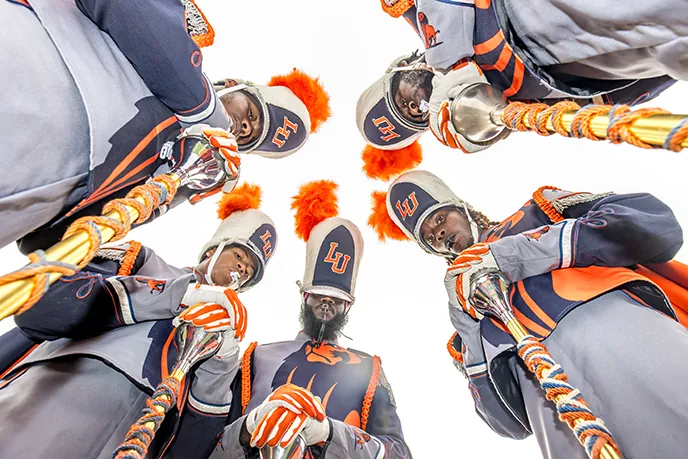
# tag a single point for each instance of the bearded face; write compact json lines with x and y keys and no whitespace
{"x":323,"y":313}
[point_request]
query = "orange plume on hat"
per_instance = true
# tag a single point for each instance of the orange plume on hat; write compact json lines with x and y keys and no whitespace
{"x":243,"y":197}
{"x":316,"y":201}
{"x":310,"y":91}
{"x":380,"y":221}
{"x":386,"y":164}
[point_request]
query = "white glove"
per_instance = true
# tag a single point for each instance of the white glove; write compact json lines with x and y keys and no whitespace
{"x":226,"y":297}
{"x":445,"y":88}
{"x":457,"y":281}
{"x":288,"y":411}
{"x":212,"y":317}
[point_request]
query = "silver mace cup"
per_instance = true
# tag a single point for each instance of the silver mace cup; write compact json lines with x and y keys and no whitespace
{"x":475,"y":114}
{"x":295,"y":450}
{"x":195,"y":344}
{"x":199,"y":166}
{"x":490,"y":297}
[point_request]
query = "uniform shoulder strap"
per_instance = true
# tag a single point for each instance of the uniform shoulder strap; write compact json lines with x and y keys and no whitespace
{"x":246,"y":376}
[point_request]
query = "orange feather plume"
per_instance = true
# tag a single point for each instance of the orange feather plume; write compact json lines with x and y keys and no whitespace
{"x":380,"y":221}
{"x":386,"y":164}
{"x":315,"y":202}
{"x":243,"y":197}
{"x":310,"y":91}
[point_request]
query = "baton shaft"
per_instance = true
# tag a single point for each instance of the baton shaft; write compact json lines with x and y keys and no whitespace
{"x":176,"y":374}
{"x":71,"y":250}
{"x":651,"y":129}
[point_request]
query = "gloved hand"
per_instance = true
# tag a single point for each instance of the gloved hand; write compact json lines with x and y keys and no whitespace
{"x":226,"y":144}
{"x":212,"y":317}
{"x":288,"y":411}
{"x":445,"y":88}
{"x":457,"y":281}
{"x":225,"y":297}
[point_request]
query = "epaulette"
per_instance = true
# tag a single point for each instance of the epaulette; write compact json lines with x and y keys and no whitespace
{"x":564,"y":203}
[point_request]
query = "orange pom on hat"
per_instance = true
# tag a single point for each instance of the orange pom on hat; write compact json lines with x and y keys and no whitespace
{"x":380,"y":221}
{"x":315,"y":202}
{"x":310,"y":91}
{"x":387,"y":164}
{"x":243,"y":197}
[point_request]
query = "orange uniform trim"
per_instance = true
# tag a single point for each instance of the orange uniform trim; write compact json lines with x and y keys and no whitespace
{"x":370,"y":392}
{"x":106,"y":186}
{"x":19,"y":360}
{"x":545,"y":205}
{"x":542,"y":315}
{"x":246,"y":376}
{"x":517,"y":79}
{"x":398,"y":8}
{"x":129,"y":258}
{"x":489,"y":44}
{"x":677,"y":294}
{"x":205,"y":39}
{"x":502,"y":61}
{"x":455,"y":353}
{"x":530,"y":325}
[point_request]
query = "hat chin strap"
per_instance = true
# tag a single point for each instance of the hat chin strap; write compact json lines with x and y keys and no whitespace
{"x":475,"y":231}
{"x":213,"y":260}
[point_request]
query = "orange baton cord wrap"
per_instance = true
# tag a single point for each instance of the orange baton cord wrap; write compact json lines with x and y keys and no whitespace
{"x":370,"y":392}
{"x":159,"y":190}
{"x":129,"y":258}
{"x":621,"y":118}
{"x":246,"y":376}
{"x":619,"y":125}
{"x":545,"y":206}
{"x":140,"y":435}
{"x":38,"y":270}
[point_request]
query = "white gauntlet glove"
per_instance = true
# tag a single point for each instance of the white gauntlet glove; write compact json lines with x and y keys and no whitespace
{"x":288,"y":411}
{"x":445,"y":88}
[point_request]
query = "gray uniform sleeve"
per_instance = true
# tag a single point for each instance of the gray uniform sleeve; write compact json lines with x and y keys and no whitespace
{"x":95,"y":300}
{"x":614,"y":231}
{"x":488,"y":403}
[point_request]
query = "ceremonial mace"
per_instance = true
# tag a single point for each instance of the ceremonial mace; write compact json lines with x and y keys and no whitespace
{"x":490,"y":297}
{"x":195,"y":344}
{"x":199,"y":169}
{"x":482,"y":115}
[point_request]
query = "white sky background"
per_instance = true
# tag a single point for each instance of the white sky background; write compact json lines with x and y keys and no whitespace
{"x":400,"y":313}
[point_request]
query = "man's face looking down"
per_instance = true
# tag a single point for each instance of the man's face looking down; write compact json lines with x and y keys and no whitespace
{"x":447,"y":231}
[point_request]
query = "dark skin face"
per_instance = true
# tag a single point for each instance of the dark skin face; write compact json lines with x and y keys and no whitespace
{"x":246,"y":114}
{"x":325,"y":307}
{"x":447,"y":230}
{"x":414,"y":86}
{"x":319,"y":310}
{"x":233,"y":259}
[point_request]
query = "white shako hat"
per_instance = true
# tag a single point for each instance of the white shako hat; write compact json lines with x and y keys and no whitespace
{"x":334,"y":245}
{"x":293,"y":105}
{"x":245,"y":225}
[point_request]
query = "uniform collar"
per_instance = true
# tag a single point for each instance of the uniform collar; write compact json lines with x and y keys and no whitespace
{"x":302,"y":336}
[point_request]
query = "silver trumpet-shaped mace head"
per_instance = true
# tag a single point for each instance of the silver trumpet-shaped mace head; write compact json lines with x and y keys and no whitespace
{"x":475,"y":114}
{"x":195,"y":344}
{"x":490,"y":296}
{"x":295,"y":450}
{"x":199,"y":166}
